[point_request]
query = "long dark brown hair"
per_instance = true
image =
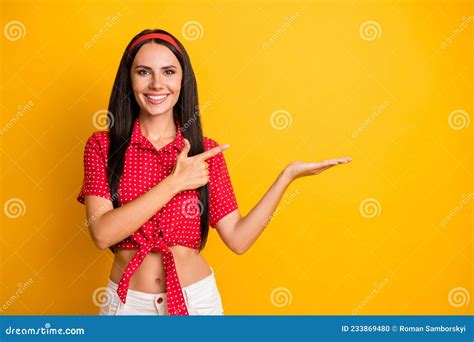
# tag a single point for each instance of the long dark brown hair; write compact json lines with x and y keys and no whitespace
{"x":124,"y":109}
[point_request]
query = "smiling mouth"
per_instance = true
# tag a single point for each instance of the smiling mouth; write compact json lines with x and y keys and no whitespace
{"x":156,"y":99}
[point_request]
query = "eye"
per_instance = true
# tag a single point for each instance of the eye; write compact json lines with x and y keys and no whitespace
{"x":141,"y":72}
{"x":171,"y":72}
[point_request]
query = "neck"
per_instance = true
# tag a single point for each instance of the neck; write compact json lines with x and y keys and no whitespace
{"x":156,"y":127}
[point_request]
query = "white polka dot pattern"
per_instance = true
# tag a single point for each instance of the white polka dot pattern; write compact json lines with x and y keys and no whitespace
{"x":144,"y":168}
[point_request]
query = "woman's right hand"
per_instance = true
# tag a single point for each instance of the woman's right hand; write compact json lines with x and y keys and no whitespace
{"x":193,"y":172}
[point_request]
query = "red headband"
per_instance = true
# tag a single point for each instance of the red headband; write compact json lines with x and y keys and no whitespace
{"x":155,"y":35}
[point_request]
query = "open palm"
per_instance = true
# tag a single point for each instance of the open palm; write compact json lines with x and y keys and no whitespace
{"x":300,"y":169}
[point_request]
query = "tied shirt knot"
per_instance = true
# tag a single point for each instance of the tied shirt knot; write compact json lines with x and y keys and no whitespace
{"x":176,"y":302}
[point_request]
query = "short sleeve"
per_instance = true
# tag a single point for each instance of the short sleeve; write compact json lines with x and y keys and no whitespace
{"x":222,"y":200}
{"x":95,"y":168}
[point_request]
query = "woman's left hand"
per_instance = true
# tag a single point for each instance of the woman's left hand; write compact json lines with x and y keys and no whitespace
{"x":300,"y":169}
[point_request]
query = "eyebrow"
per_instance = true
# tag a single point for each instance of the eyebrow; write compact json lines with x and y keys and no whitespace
{"x":148,"y":68}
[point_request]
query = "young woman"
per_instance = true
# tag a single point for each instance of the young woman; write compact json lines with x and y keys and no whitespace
{"x":153,"y":184}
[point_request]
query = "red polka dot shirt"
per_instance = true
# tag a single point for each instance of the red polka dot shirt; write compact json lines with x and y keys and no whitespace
{"x":178,"y":222}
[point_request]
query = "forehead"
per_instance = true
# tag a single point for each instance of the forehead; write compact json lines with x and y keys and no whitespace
{"x":155,"y":55}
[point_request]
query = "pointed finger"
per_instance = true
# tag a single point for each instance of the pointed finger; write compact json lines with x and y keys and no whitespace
{"x":212,"y":152}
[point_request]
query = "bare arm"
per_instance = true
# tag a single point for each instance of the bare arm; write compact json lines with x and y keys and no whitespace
{"x":239,"y":233}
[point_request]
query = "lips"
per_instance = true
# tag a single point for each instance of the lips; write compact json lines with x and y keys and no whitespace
{"x":156,"y":99}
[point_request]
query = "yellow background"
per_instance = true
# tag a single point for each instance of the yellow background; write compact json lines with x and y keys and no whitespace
{"x":385,"y":102}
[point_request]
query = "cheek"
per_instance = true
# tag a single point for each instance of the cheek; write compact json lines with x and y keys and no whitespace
{"x":138,"y":84}
{"x":175,"y":98}
{"x":175,"y":87}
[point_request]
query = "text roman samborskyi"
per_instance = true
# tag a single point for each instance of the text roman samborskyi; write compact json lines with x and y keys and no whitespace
{"x":436,"y":329}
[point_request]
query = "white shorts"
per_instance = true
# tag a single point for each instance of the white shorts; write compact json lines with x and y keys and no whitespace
{"x":201,"y":297}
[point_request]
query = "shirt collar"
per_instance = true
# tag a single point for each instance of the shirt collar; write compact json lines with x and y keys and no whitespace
{"x":140,"y":140}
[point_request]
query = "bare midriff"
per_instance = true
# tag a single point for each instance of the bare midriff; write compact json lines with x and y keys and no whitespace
{"x":150,"y":276}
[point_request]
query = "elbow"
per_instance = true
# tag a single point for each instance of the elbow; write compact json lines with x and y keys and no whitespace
{"x":100,"y":243}
{"x":239,"y":250}
{"x":99,"y":240}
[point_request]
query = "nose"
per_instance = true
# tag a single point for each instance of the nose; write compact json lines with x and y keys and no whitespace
{"x":155,"y":83}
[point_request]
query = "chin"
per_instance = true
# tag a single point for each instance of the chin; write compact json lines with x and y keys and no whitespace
{"x":155,"y":111}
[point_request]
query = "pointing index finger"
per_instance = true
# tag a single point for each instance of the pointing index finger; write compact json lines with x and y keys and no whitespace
{"x":212,"y":152}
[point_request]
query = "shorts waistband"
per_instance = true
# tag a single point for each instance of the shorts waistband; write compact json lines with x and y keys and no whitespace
{"x":201,"y":283}
{"x":136,"y":294}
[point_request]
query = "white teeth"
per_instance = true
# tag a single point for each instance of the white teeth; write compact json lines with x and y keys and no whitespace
{"x":156,"y":98}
